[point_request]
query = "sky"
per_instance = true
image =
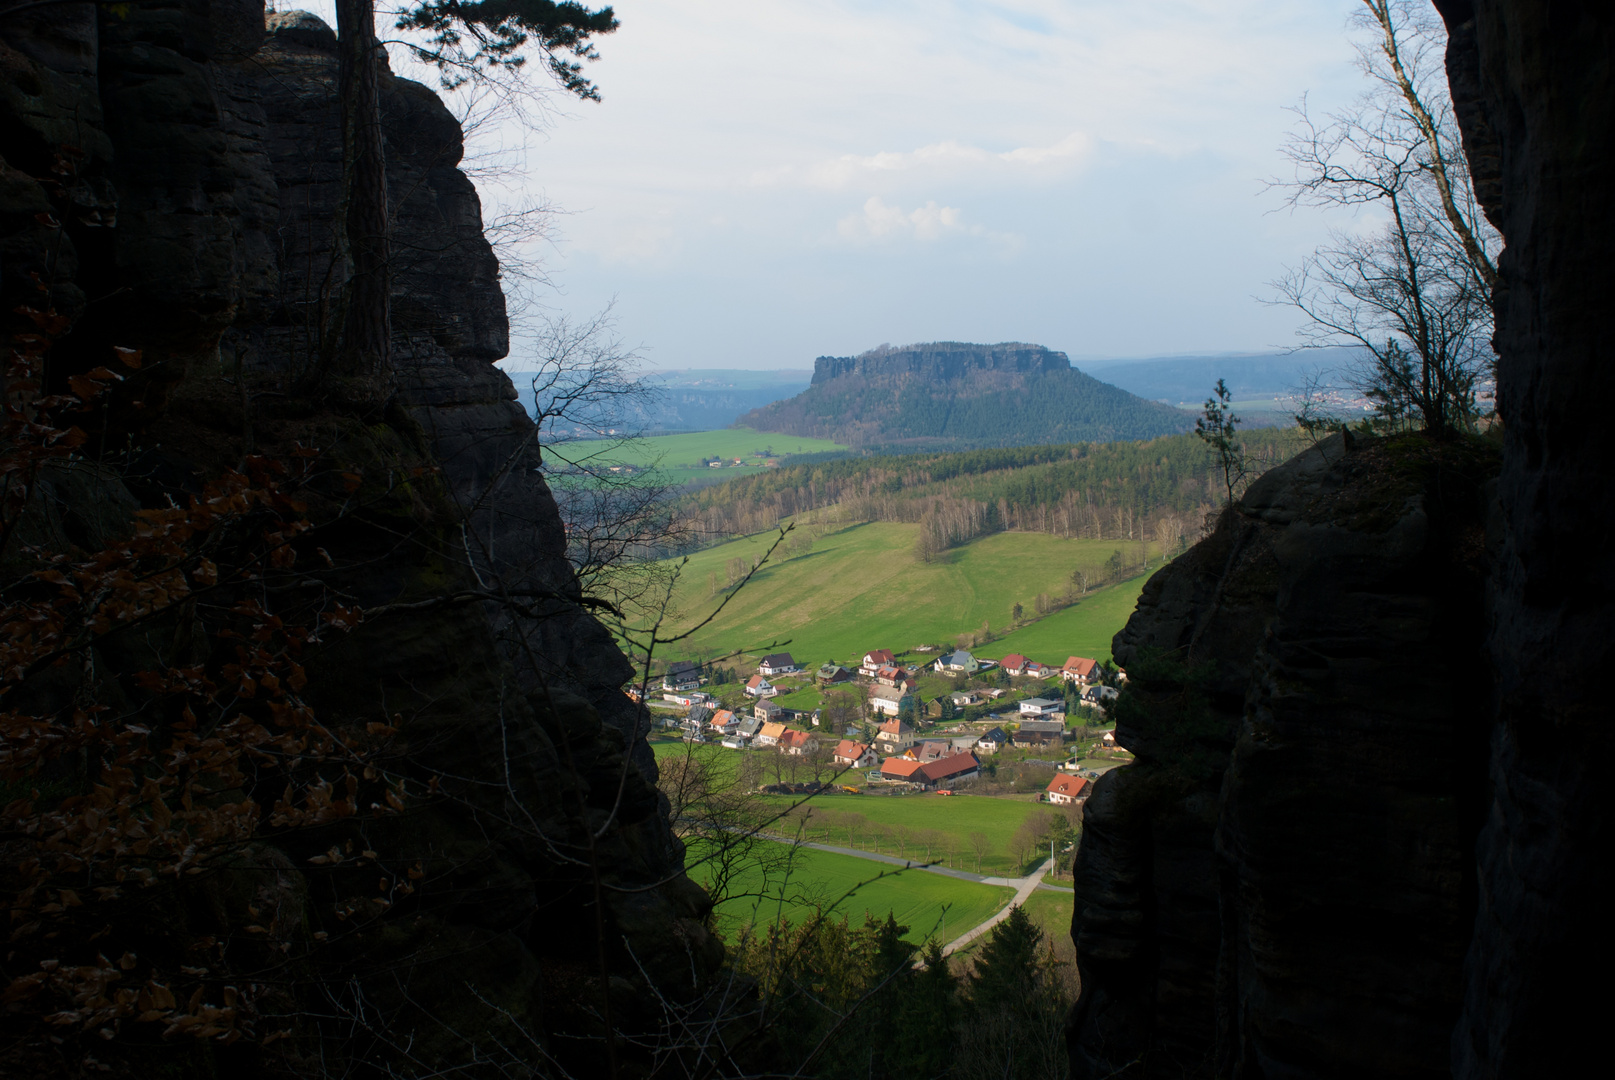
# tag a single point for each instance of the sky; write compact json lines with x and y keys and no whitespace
{"x":765,"y":181}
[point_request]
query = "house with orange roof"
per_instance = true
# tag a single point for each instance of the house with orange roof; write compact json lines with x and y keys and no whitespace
{"x":897,"y":768}
{"x":1067,"y":790}
{"x":769,"y":734}
{"x":757,"y":686}
{"x":1080,"y":670}
{"x":1014,"y":664}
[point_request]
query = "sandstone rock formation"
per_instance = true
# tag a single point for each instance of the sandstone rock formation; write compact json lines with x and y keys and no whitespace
{"x":1284,"y":867}
{"x":170,"y":173}
{"x":1364,"y":832}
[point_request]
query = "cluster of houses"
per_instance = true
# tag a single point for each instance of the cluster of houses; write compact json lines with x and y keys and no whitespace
{"x":900,"y":755}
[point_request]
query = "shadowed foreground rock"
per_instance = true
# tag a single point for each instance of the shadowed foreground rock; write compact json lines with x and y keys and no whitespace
{"x":170,"y":174}
{"x":1283,"y":872}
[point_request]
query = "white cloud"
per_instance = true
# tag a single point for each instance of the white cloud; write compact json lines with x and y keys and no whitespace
{"x":879,"y":221}
{"x":947,"y":158}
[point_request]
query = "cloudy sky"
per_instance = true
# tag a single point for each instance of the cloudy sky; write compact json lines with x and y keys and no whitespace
{"x":769,"y":180}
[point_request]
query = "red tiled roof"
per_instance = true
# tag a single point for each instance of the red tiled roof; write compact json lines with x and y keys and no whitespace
{"x":850,"y":750}
{"x":795,"y":738}
{"x":879,"y":656}
{"x":1080,"y":664}
{"x":1013,"y":660}
{"x":899,"y":767}
{"x":754,"y":681}
{"x":950,"y":766}
{"x":1067,"y":785}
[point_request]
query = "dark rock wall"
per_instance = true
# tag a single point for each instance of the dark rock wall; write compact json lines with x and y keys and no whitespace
{"x":1277,"y":886}
{"x":1536,"y":86}
{"x":1365,"y":832}
{"x":169,"y":171}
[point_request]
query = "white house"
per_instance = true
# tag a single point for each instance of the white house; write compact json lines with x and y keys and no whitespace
{"x":888,"y":700}
{"x":757,"y":686}
{"x":682,"y":675}
{"x":992,"y":742}
{"x":1038,"y":706}
{"x":855,"y":755}
{"x":956,"y":662}
{"x":779,"y":663}
{"x":1064,"y":790}
{"x":1080,"y":670}
{"x":874,"y":660}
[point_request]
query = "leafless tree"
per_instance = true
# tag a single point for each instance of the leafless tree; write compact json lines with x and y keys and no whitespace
{"x":1413,"y":290}
{"x":980,"y":843}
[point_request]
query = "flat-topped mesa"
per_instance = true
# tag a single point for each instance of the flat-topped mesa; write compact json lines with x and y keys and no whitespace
{"x":942,"y":360}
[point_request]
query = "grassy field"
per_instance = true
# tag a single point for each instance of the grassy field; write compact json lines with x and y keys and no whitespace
{"x":928,"y":904}
{"x":678,"y":457}
{"x":1083,"y":630}
{"x":861,"y":588}
{"x":954,"y":817}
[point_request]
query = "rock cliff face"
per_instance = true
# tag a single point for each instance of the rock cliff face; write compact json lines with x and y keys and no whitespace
{"x":941,"y":360}
{"x":1364,"y":832}
{"x":953,"y":396}
{"x":1535,"y":89}
{"x":169,"y":172}
{"x":1284,"y":867}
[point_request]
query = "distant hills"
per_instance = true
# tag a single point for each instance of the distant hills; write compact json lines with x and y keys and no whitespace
{"x":950,"y":395}
{"x":1187,"y":380}
{"x":694,"y":399}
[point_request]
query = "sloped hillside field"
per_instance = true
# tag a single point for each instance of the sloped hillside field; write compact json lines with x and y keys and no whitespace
{"x":862,"y":588}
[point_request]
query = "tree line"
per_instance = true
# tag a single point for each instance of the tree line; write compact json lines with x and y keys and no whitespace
{"x":1159,"y":489}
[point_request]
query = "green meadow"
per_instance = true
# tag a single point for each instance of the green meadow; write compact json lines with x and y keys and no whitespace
{"x":897,"y":825}
{"x":1083,"y":630}
{"x":861,"y":588}
{"x":677,"y":458}
{"x":824,"y":881}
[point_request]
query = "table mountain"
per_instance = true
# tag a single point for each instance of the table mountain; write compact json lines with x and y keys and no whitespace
{"x":950,"y":395}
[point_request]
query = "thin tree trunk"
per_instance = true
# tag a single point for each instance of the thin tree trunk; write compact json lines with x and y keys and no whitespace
{"x":364,"y":355}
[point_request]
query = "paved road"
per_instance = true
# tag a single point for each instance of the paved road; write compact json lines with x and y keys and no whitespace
{"x":1024,"y":887}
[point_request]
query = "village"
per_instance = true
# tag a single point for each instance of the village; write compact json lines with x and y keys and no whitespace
{"x":899,"y":723}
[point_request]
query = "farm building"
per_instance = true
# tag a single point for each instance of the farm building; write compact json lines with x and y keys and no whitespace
{"x":899,"y":768}
{"x":949,"y":770}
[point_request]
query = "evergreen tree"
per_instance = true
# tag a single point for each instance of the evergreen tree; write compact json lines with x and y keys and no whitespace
{"x":1008,"y":971}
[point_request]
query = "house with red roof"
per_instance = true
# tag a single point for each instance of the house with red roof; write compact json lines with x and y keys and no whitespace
{"x":1066,"y":790}
{"x":757,"y":686}
{"x":796,"y":743}
{"x":954,"y":769}
{"x":1080,"y":670}
{"x":1014,"y":663}
{"x":874,"y":660}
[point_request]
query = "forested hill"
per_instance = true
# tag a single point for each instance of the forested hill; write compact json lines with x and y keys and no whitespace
{"x":1157,"y":489}
{"x":956,"y":396}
